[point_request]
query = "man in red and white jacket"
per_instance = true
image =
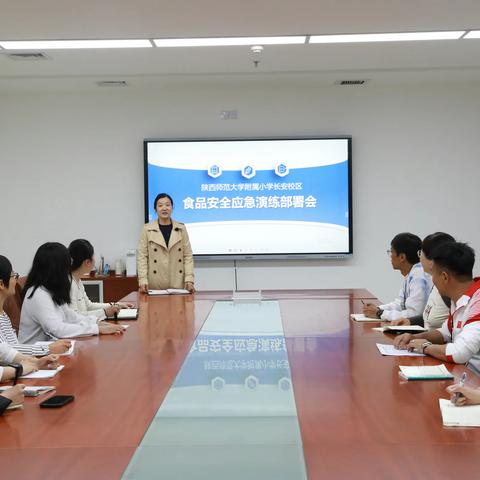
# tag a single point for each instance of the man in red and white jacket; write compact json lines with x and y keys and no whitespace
{"x":458,"y":339}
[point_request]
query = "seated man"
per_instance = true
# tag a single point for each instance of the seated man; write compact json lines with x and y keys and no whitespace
{"x":458,"y":339}
{"x":437,"y":307}
{"x":417,"y":284}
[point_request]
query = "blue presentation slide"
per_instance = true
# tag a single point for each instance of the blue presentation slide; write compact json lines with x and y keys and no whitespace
{"x":256,"y":196}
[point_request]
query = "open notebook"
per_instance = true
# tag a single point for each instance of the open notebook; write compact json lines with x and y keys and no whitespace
{"x":169,"y":291}
{"x":32,"y":391}
{"x":360,"y":317}
{"x":400,"y":329}
{"x":453,"y":416}
{"x":431,"y":372}
{"x":127,"y":314}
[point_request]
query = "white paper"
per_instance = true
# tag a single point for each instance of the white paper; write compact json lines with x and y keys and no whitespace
{"x":169,"y":291}
{"x":31,"y":391}
{"x":425,"y":372}
{"x":44,"y":373}
{"x":400,"y":328}
{"x":453,"y":416}
{"x":177,"y":291}
{"x":126,"y":313}
{"x":360,"y":317}
{"x":68,"y":353}
{"x":392,"y":351}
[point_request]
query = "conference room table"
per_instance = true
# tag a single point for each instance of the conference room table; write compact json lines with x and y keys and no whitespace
{"x":357,"y":417}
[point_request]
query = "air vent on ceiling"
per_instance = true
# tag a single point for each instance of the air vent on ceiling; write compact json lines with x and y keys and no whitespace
{"x":112,"y":83}
{"x":25,"y":56}
{"x":351,"y":82}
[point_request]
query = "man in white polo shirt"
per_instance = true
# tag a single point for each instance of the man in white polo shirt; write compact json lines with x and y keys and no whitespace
{"x":458,"y":339}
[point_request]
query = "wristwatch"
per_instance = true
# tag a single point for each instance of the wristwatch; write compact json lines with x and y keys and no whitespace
{"x":379,"y":313}
{"x":18,"y":369}
{"x":425,"y":345}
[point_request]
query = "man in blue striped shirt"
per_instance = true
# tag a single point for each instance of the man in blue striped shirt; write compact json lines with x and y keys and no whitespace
{"x":411,"y":301}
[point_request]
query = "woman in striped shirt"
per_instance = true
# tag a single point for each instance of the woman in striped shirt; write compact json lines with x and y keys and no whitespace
{"x":8,"y":281}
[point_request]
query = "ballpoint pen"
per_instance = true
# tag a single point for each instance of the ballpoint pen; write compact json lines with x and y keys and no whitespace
{"x":457,"y":395}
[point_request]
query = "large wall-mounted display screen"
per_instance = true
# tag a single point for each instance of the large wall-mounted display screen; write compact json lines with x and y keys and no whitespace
{"x":247,"y":198}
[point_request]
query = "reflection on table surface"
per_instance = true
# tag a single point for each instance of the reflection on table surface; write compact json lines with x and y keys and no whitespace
{"x":231,"y":411}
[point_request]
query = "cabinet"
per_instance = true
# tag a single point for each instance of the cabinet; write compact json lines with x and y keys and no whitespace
{"x":114,"y":288}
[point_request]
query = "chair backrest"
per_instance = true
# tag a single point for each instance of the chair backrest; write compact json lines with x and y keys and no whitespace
{"x":13,"y":305}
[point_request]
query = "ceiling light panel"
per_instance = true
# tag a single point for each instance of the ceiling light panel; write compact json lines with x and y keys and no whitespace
{"x":386,"y":37}
{"x":228,"y":41}
{"x":72,"y":44}
{"x":473,"y":34}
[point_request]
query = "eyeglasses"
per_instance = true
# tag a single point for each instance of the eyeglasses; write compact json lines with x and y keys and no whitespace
{"x":15,"y":275}
{"x":420,"y":253}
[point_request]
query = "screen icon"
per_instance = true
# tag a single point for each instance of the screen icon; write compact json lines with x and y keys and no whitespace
{"x":248,"y":171}
{"x":282,"y":170}
{"x":214,"y":171}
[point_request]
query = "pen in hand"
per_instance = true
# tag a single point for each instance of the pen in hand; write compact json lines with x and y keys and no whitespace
{"x":457,"y":395}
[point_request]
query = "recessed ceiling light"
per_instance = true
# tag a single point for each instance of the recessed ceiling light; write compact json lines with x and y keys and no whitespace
{"x":68,"y":44}
{"x":228,"y":41}
{"x":473,"y":34}
{"x":386,"y":37}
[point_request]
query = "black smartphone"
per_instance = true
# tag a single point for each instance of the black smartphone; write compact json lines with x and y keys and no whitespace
{"x":57,"y":401}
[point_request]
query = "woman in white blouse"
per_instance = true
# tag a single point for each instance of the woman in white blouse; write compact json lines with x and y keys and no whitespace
{"x":45,"y":312}
{"x":83,"y":262}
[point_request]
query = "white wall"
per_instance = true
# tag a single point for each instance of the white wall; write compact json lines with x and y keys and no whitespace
{"x":72,"y":166}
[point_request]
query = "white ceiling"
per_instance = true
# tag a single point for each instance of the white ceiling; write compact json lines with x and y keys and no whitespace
{"x":453,"y":60}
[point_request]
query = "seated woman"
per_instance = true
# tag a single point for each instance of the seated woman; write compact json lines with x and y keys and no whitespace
{"x":45,"y":312}
{"x":10,"y":359}
{"x":83,"y":262}
{"x":165,"y":258}
{"x":8,"y":281}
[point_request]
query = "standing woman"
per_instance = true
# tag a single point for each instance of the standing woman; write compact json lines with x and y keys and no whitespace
{"x":165,"y":257}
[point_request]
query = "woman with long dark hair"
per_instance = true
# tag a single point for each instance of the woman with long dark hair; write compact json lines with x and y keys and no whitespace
{"x":14,"y":363}
{"x":45,"y":312}
{"x":83,"y":262}
{"x":8,"y":281}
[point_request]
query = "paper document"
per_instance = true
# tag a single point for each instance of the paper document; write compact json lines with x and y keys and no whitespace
{"x":30,"y":391}
{"x":169,"y":291}
{"x":453,"y":416}
{"x":430,"y":372}
{"x":360,"y":317}
{"x":68,"y":353}
{"x":392,"y":351}
{"x":401,"y":329}
{"x":127,"y":314}
{"x":44,"y":373}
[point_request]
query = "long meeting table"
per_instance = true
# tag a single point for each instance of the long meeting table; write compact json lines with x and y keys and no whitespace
{"x":357,"y":418}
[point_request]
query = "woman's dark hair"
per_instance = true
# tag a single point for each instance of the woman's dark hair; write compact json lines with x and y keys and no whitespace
{"x":51,"y":270}
{"x":162,"y":195}
{"x":434,"y":240}
{"x":80,"y":250}
{"x":5,"y":270}
{"x":456,"y":258}
{"x":409,"y":244}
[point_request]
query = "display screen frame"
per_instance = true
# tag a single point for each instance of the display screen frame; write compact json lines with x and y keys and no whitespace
{"x":253,"y":256}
